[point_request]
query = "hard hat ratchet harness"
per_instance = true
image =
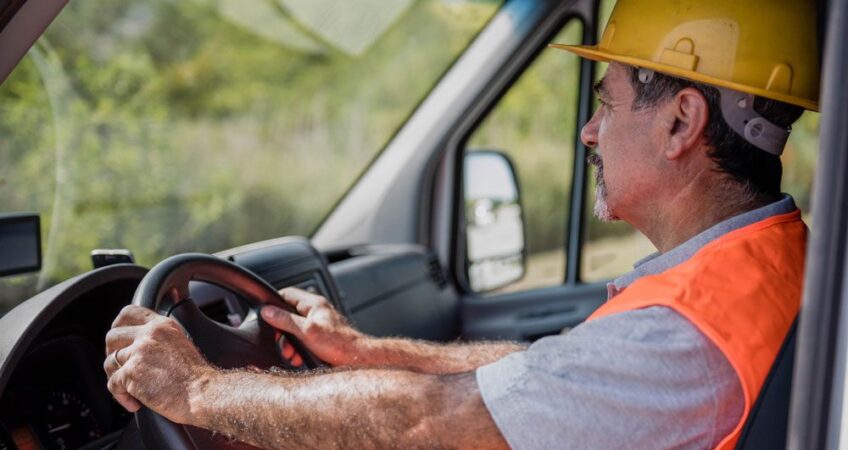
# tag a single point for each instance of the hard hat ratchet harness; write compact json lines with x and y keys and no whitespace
{"x":737,"y":108}
{"x":738,"y":111}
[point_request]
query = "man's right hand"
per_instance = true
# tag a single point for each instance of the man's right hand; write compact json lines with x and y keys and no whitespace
{"x":319,"y":327}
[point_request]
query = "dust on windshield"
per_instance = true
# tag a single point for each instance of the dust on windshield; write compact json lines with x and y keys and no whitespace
{"x":172,"y":126}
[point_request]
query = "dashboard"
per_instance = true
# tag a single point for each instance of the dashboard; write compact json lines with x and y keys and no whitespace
{"x":59,"y":400}
{"x":52,"y":386}
{"x":56,"y":398}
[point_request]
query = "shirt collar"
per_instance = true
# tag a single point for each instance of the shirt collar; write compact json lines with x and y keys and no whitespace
{"x":658,"y":263}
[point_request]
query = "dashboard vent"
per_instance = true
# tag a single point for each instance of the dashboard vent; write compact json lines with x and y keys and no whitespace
{"x":437,"y":274}
{"x":217,"y":311}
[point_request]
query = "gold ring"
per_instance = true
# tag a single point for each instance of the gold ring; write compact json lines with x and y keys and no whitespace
{"x":115,"y":358}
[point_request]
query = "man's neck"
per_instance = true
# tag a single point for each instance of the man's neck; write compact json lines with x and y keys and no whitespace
{"x":695,"y":209}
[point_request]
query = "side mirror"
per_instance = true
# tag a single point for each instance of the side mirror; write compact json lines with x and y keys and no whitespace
{"x":494,"y":221}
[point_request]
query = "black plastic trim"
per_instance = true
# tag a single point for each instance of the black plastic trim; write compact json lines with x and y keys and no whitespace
{"x":576,"y":216}
{"x":25,"y":218}
{"x":7,"y":13}
{"x":812,"y":422}
{"x":23,"y":324}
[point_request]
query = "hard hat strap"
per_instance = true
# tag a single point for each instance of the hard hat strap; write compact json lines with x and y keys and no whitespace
{"x":738,"y":110}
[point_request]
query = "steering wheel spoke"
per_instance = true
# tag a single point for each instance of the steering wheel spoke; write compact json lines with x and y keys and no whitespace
{"x":252,"y":344}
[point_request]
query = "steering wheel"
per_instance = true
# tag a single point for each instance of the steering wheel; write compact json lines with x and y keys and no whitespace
{"x":165,"y":289}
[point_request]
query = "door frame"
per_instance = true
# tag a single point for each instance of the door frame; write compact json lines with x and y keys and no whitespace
{"x":818,"y":390}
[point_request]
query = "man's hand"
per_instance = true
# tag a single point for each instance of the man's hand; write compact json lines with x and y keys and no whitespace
{"x":327,"y":334}
{"x":320,"y":328}
{"x":150,"y":361}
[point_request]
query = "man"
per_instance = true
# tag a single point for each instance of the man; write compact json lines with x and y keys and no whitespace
{"x":695,"y":109}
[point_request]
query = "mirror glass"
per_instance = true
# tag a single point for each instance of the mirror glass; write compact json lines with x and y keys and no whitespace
{"x":494,"y":221}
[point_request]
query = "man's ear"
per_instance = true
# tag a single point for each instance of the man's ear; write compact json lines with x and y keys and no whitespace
{"x":687,"y":115}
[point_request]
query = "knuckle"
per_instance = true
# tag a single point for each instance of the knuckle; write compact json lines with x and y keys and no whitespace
{"x":157,"y":331}
{"x":172,"y":328}
{"x":274,"y":313}
{"x":311,"y":329}
{"x":143,"y":345}
{"x":113,"y":335}
{"x":113,"y":385}
{"x":280,"y":321}
{"x":110,"y":335}
{"x":161,"y":329}
{"x":125,"y":312}
{"x":130,"y":366}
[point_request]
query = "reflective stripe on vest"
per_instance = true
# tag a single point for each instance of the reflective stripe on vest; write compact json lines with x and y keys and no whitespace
{"x":742,"y":291}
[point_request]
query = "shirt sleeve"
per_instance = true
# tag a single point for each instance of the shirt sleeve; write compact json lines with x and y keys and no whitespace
{"x":639,"y":379}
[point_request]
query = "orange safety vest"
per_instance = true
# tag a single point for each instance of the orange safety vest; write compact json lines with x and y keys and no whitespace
{"x":742,"y":291}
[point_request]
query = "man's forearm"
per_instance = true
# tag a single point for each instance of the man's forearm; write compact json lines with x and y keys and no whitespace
{"x":429,"y":357}
{"x":363,"y":409}
{"x":330,"y":337}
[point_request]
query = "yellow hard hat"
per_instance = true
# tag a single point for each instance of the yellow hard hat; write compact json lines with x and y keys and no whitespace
{"x":767,"y":48}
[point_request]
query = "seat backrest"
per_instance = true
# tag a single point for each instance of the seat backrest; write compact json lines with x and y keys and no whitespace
{"x":767,"y":424}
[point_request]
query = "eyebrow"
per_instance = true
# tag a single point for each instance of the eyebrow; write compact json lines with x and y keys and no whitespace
{"x":600,"y":89}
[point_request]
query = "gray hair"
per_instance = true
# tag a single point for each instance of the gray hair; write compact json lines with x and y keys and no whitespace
{"x":757,"y":171}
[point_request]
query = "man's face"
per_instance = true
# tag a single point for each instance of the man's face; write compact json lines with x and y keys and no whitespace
{"x":625,"y":150}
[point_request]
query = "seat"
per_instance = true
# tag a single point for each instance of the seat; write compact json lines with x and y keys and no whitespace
{"x":767,"y":424}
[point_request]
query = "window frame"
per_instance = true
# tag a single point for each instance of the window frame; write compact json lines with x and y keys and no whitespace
{"x":554,"y":23}
{"x":819,"y":386}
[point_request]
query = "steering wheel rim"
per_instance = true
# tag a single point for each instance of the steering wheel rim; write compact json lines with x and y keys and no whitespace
{"x":165,"y":289}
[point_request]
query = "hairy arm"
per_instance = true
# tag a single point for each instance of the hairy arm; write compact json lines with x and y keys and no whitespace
{"x":362,"y":409}
{"x":433,"y":358}
{"x":328,"y":335}
{"x":150,"y":361}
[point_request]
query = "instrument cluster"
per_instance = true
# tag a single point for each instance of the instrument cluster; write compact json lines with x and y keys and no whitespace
{"x":58,"y":399}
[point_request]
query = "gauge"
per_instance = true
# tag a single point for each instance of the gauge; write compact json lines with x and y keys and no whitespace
{"x":69,"y":422}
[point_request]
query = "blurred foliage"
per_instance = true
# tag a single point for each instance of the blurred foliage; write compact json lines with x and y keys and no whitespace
{"x":171,"y":126}
{"x":533,"y":124}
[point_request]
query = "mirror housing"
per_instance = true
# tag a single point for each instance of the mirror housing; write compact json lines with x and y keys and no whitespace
{"x":494,"y":221}
{"x":20,"y":243}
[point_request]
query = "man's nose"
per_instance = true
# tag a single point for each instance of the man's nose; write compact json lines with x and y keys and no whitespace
{"x":589,"y":132}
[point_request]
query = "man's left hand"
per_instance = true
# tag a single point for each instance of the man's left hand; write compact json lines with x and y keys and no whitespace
{"x":150,"y":361}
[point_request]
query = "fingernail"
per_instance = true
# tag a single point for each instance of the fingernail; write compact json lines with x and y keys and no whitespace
{"x":268,"y":312}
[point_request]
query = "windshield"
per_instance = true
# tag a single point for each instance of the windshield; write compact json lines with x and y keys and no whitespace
{"x":199,"y":125}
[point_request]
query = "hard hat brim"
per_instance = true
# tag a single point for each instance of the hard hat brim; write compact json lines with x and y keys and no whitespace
{"x":594,"y":53}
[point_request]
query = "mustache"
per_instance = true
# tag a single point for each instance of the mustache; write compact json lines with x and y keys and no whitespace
{"x":595,"y":160}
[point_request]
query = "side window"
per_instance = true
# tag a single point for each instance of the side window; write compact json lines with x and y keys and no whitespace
{"x":534,"y":126}
{"x":799,"y":162}
{"x":611,"y":249}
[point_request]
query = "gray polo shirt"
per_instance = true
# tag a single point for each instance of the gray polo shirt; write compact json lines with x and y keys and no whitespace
{"x":645,"y":379}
